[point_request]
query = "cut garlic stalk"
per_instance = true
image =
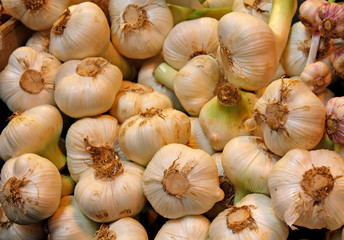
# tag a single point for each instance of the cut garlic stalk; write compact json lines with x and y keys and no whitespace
{"x":139,"y":27}
{"x":307,"y":189}
{"x":188,"y":227}
{"x":39,"y":41}
{"x":80,"y":82}
{"x":36,"y":130}
{"x":30,"y":188}
{"x":28,"y":79}
{"x":142,"y":135}
{"x":135,"y":98}
{"x":181,"y":181}
{"x":126,"y":228}
{"x":250,"y":219}
{"x":257,"y":8}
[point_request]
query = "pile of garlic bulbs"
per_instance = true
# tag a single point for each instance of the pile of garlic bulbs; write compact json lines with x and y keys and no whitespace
{"x":167,"y":119}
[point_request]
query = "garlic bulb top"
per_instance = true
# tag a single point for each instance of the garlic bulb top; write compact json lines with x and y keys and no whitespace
{"x":40,"y":41}
{"x":181,"y":181}
{"x":30,"y":188}
{"x":258,"y":8}
{"x":80,"y":82}
{"x":126,"y":228}
{"x":187,"y":40}
{"x":188,"y":227}
{"x":37,"y":15}
{"x":307,"y":189}
{"x":28,"y":79}
{"x":68,"y":222}
{"x":139,"y":27}
{"x":250,"y":219}
{"x":247,"y":50}
{"x":290,"y":116}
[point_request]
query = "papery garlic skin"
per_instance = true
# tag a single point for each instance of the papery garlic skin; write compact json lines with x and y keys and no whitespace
{"x":36,"y":15}
{"x":299,"y":201}
{"x":181,"y":181}
{"x":195,"y":83}
{"x":135,"y":98}
{"x":139,"y":27}
{"x":316,"y":76}
{"x":290,"y":116}
{"x":257,"y":8}
{"x":187,"y":40}
{"x":107,"y":199}
{"x":30,"y":188}
{"x":28,"y":79}
{"x":126,"y":228}
{"x":142,"y":135}
{"x":68,"y":222}
{"x":218,"y":3}
{"x":251,"y":218}
{"x":78,"y":94}
{"x":335,"y":120}
{"x":36,"y":130}
{"x":13,"y":231}
{"x":188,"y":227}
{"x":40,"y":41}
{"x":100,"y":131}
{"x":249,"y":60}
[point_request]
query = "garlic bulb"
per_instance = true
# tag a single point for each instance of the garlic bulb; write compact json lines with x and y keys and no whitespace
{"x":221,"y":123}
{"x":126,"y":228}
{"x":198,"y":139}
{"x":111,"y":190}
{"x":308,"y":13}
{"x":103,"y":4}
{"x":135,"y":98}
{"x":195,"y":83}
{"x":250,"y":219}
{"x":181,"y":181}
{"x":68,"y":222}
{"x":290,"y":116}
{"x":188,"y":227}
{"x":337,"y":61}
{"x":258,"y":8}
{"x":145,"y":77}
{"x":87,"y":139}
{"x":142,"y":135}
{"x":247,"y":50}
{"x":139,"y":27}
{"x":335,"y":120}
{"x":30,"y":188}
{"x":307,"y":189}
{"x":39,"y":41}
{"x":28,"y":79}
{"x":36,"y":14}
{"x":13,"y":231}
{"x":80,"y":82}
{"x":187,"y":40}
{"x":83,"y":31}
{"x":36,"y":130}
{"x":316,"y":76}
{"x":330,"y":20}
{"x":247,"y":162}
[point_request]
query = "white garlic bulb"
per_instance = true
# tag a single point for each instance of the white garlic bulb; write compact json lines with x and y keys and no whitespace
{"x":142,"y":135}
{"x":37,"y":15}
{"x":126,"y":228}
{"x":257,"y":8}
{"x":28,"y":79}
{"x":135,"y":98}
{"x":181,"y":181}
{"x":251,"y":218}
{"x":249,"y":60}
{"x":39,"y":41}
{"x":36,"y":130}
{"x":187,"y":40}
{"x":188,"y":227}
{"x":68,"y":222}
{"x":307,"y":189}
{"x":290,"y":116}
{"x":80,"y":82}
{"x":87,"y":139}
{"x":13,"y":231}
{"x":139,"y":27}
{"x":111,"y":190}
{"x":30,"y":188}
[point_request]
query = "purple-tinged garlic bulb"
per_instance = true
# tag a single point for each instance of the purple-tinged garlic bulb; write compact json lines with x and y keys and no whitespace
{"x":335,"y":120}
